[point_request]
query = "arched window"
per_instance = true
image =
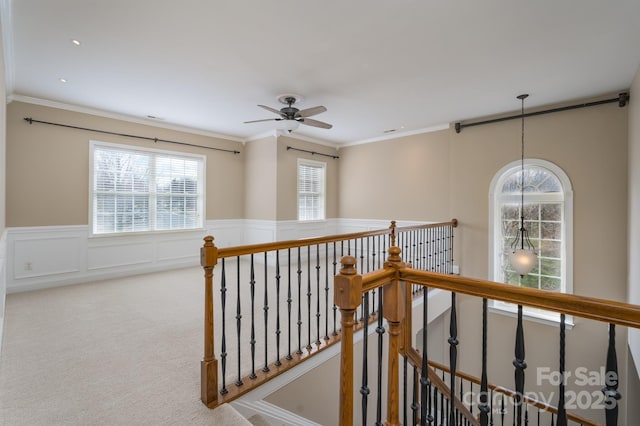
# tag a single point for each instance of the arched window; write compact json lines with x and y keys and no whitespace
{"x":548,"y":213}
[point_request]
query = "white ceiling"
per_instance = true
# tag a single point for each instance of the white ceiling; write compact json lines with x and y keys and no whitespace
{"x":375,"y":64}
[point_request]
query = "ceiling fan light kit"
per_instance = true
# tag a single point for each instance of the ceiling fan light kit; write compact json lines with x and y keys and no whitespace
{"x":291,"y":117}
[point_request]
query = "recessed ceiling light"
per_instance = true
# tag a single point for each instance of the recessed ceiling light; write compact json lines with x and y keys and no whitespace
{"x":76,"y":42}
{"x":62,"y":80}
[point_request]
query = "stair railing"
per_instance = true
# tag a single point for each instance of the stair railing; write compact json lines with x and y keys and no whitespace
{"x":435,"y":400}
{"x":268,"y":307}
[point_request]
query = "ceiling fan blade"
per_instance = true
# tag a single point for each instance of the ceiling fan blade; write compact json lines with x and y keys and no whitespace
{"x":273,"y":110}
{"x":310,"y":111}
{"x":315,"y":123}
{"x":265,"y":119}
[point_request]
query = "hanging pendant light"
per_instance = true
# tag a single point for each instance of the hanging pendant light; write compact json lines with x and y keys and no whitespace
{"x":523,"y":255}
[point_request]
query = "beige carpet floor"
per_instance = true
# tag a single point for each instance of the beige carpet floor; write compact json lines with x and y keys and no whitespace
{"x":118,"y":352}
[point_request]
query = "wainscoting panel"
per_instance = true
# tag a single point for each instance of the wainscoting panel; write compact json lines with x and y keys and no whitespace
{"x":118,"y":254}
{"x":48,"y":256}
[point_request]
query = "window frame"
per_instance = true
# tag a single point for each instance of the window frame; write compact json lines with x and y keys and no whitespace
{"x":495,"y":224}
{"x":323,"y":194}
{"x":152,"y":152}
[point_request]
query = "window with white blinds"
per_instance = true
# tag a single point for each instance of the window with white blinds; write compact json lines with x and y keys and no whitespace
{"x":311,"y":190}
{"x":134,"y":189}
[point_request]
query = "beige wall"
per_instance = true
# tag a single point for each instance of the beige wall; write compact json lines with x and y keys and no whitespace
{"x":288,"y":176}
{"x":261,"y":170}
{"x":405,"y":179}
{"x":48,"y":166}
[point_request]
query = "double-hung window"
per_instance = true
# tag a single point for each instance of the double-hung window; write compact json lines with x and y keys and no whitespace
{"x":548,"y":215}
{"x":135,"y":189}
{"x":311,"y":190}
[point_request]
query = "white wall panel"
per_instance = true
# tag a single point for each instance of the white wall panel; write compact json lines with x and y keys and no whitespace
{"x":40,"y":257}
{"x":117,"y":255}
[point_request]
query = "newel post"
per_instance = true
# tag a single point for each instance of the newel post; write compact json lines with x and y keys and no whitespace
{"x":209,"y":364}
{"x":394,"y":310}
{"x":347,"y":296}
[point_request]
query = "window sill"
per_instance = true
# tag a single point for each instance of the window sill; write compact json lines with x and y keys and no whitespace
{"x":531,"y":314}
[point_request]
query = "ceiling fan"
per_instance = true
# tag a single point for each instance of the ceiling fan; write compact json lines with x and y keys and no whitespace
{"x":291,"y":117}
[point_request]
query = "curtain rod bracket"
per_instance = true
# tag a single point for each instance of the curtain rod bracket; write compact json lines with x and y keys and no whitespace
{"x":623,"y":98}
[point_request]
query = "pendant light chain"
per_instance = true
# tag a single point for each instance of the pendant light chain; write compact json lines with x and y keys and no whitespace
{"x":522,"y":98}
{"x":522,"y":259}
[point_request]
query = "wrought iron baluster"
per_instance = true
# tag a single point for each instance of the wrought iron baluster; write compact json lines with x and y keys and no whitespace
{"x":318,"y":315}
{"x":453,"y":355}
{"x":238,"y":322}
{"x":266,"y":315}
{"x":443,"y":409}
{"x":435,"y":404}
{"x":289,"y":305}
{"x":335,"y":308}
{"x":414,"y":404}
{"x":326,"y":291}
{"x":309,"y":294}
{"x":562,"y":414}
{"x":252,"y":342}
{"x":374,"y":255}
{"x":223,"y":345}
{"x":404,"y":390}
{"x":380,"y":331}
{"x":492,"y":409}
{"x":448,"y":411}
{"x":364,"y":388}
{"x":423,"y":248}
{"x":278,"y":330}
{"x":431,"y":250}
{"x":520,"y":366}
{"x":612,"y":396}
{"x":425,"y":416}
{"x":299,"y":351}
{"x":459,"y":415}
{"x":364,"y":295}
{"x":368,"y":255}
{"x":484,"y":406}
{"x":470,"y":393}
{"x":450,"y":256}
{"x":373,"y":293}
{"x":356,"y":319}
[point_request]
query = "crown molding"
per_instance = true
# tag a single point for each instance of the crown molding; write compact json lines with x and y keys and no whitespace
{"x":122,"y":117}
{"x":395,"y":135}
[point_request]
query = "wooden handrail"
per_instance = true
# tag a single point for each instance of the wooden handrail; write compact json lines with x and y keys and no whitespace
{"x":607,"y":311}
